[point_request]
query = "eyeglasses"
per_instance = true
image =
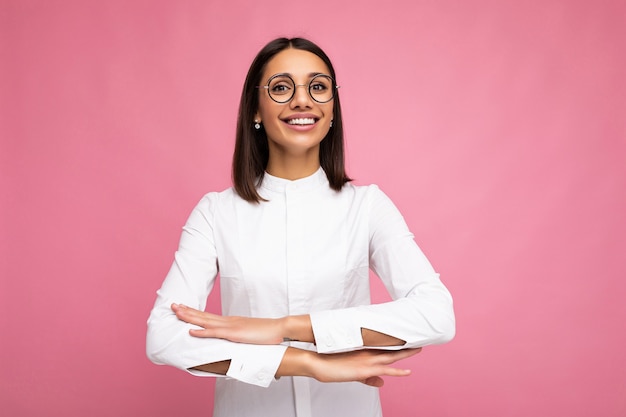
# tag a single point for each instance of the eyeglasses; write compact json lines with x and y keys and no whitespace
{"x":282,"y":88}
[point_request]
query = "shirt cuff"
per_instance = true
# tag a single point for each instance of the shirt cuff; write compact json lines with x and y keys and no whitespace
{"x":336,"y":331}
{"x":256,"y":364}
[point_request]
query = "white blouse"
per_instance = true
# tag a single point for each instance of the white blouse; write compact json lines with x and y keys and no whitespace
{"x":307,"y":250}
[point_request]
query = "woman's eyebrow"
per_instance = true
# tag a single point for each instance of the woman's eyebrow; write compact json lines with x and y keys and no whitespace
{"x":310,"y":74}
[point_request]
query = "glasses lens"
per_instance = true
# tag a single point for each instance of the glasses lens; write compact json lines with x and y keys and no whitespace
{"x":322,"y":88}
{"x":281,"y":88}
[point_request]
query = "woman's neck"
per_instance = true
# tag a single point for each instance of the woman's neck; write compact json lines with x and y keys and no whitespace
{"x":293,"y":167}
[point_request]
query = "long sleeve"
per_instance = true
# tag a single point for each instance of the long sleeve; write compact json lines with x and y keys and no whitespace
{"x":421,"y":312}
{"x":189,"y":281}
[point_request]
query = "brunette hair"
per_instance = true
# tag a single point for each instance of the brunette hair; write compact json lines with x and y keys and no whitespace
{"x":251,"y":149}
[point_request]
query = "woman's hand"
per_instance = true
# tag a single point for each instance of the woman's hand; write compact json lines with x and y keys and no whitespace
{"x":233,"y":328}
{"x":365,"y":366}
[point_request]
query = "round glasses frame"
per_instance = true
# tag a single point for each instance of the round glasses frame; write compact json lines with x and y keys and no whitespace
{"x":310,"y":84}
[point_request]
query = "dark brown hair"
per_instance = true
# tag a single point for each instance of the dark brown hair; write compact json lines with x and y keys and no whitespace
{"x":251,"y":148}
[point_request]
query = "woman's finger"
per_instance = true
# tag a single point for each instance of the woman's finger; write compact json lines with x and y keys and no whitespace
{"x":391,"y":356}
{"x":193,"y":316}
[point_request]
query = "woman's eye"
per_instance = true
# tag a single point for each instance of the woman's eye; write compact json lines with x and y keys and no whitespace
{"x":281,"y":88}
{"x":319,"y":87}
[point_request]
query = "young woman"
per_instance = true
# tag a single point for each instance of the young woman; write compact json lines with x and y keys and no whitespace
{"x":293,"y":242}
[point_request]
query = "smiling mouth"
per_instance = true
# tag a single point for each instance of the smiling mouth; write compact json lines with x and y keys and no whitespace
{"x":304,"y":121}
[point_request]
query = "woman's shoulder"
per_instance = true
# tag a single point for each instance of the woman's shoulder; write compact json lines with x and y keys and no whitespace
{"x":210,"y":205}
{"x":371,"y":197}
{"x":364,"y":190}
{"x":213,"y":198}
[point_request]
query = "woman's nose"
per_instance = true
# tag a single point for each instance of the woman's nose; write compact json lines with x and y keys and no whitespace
{"x":301,"y":97}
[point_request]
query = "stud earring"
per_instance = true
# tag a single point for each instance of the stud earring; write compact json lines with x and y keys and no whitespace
{"x":331,"y":123}
{"x":257,"y":125}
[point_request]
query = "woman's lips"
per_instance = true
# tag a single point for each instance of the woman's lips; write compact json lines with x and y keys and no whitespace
{"x":301,"y":121}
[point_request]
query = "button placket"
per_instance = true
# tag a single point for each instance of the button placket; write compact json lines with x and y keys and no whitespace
{"x":296,"y":250}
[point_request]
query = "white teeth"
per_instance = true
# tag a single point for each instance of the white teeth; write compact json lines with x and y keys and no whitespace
{"x":303,"y":121}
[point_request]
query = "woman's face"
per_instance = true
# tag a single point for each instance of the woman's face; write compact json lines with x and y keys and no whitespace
{"x":300,"y":124}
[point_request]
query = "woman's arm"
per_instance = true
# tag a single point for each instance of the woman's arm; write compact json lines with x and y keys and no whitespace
{"x":190,"y":281}
{"x":299,"y":328}
{"x":265,"y":331}
{"x":421,"y":312}
{"x":365,"y":366}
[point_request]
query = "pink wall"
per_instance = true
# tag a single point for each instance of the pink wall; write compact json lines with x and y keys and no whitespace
{"x":498,"y":128}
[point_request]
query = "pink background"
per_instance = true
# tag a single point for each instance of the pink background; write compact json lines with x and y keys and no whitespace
{"x":497,"y":127}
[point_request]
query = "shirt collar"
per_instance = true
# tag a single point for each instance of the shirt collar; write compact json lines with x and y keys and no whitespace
{"x":282,"y":185}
